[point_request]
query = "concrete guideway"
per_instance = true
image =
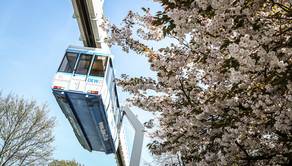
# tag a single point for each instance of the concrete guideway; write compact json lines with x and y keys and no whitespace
{"x":88,"y":14}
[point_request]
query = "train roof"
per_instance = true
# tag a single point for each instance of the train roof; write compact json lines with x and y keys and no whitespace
{"x":88,"y":50}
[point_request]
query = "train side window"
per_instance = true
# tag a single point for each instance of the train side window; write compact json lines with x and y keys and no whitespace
{"x":83,"y":64}
{"x":99,"y":66}
{"x":68,"y":62}
{"x":111,"y":64}
{"x":116,"y":93}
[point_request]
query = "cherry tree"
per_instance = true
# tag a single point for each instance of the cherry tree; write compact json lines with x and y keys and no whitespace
{"x":223,"y":88}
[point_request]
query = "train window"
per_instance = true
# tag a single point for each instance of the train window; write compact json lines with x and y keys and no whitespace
{"x":99,"y":66}
{"x":83,"y":64}
{"x":68,"y":62}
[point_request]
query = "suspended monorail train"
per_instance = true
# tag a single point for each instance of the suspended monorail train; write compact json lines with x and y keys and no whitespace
{"x":85,"y":90}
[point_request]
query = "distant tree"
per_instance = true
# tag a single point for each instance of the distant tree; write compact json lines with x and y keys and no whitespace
{"x":65,"y":163}
{"x":165,"y":159}
{"x":25,"y":132}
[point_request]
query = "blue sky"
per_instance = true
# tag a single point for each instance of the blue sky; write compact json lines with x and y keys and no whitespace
{"x":33,"y":37}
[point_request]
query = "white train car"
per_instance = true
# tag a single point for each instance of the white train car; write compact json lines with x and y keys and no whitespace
{"x":85,"y":90}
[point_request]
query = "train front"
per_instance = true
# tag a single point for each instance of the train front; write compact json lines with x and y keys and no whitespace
{"x":82,"y":89}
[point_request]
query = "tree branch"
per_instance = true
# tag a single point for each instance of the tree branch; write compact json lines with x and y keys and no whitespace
{"x":245,"y":152}
{"x":184,"y":92}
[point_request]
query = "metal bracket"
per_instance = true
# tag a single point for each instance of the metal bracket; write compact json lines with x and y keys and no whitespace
{"x":138,"y":138}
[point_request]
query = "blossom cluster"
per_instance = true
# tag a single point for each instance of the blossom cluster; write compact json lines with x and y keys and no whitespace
{"x":224,"y":90}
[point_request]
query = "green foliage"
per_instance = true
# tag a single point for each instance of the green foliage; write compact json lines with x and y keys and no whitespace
{"x":65,"y":163}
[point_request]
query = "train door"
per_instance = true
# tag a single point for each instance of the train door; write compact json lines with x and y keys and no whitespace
{"x":78,"y":80}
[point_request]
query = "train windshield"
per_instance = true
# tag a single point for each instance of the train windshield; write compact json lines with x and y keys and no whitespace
{"x":68,"y":62}
{"x":99,"y":66}
{"x":83,"y":64}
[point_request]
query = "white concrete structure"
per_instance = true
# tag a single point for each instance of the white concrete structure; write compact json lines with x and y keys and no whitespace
{"x":89,"y":14}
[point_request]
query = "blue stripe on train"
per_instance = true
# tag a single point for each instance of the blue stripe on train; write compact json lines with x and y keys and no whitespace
{"x":87,"y":52}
